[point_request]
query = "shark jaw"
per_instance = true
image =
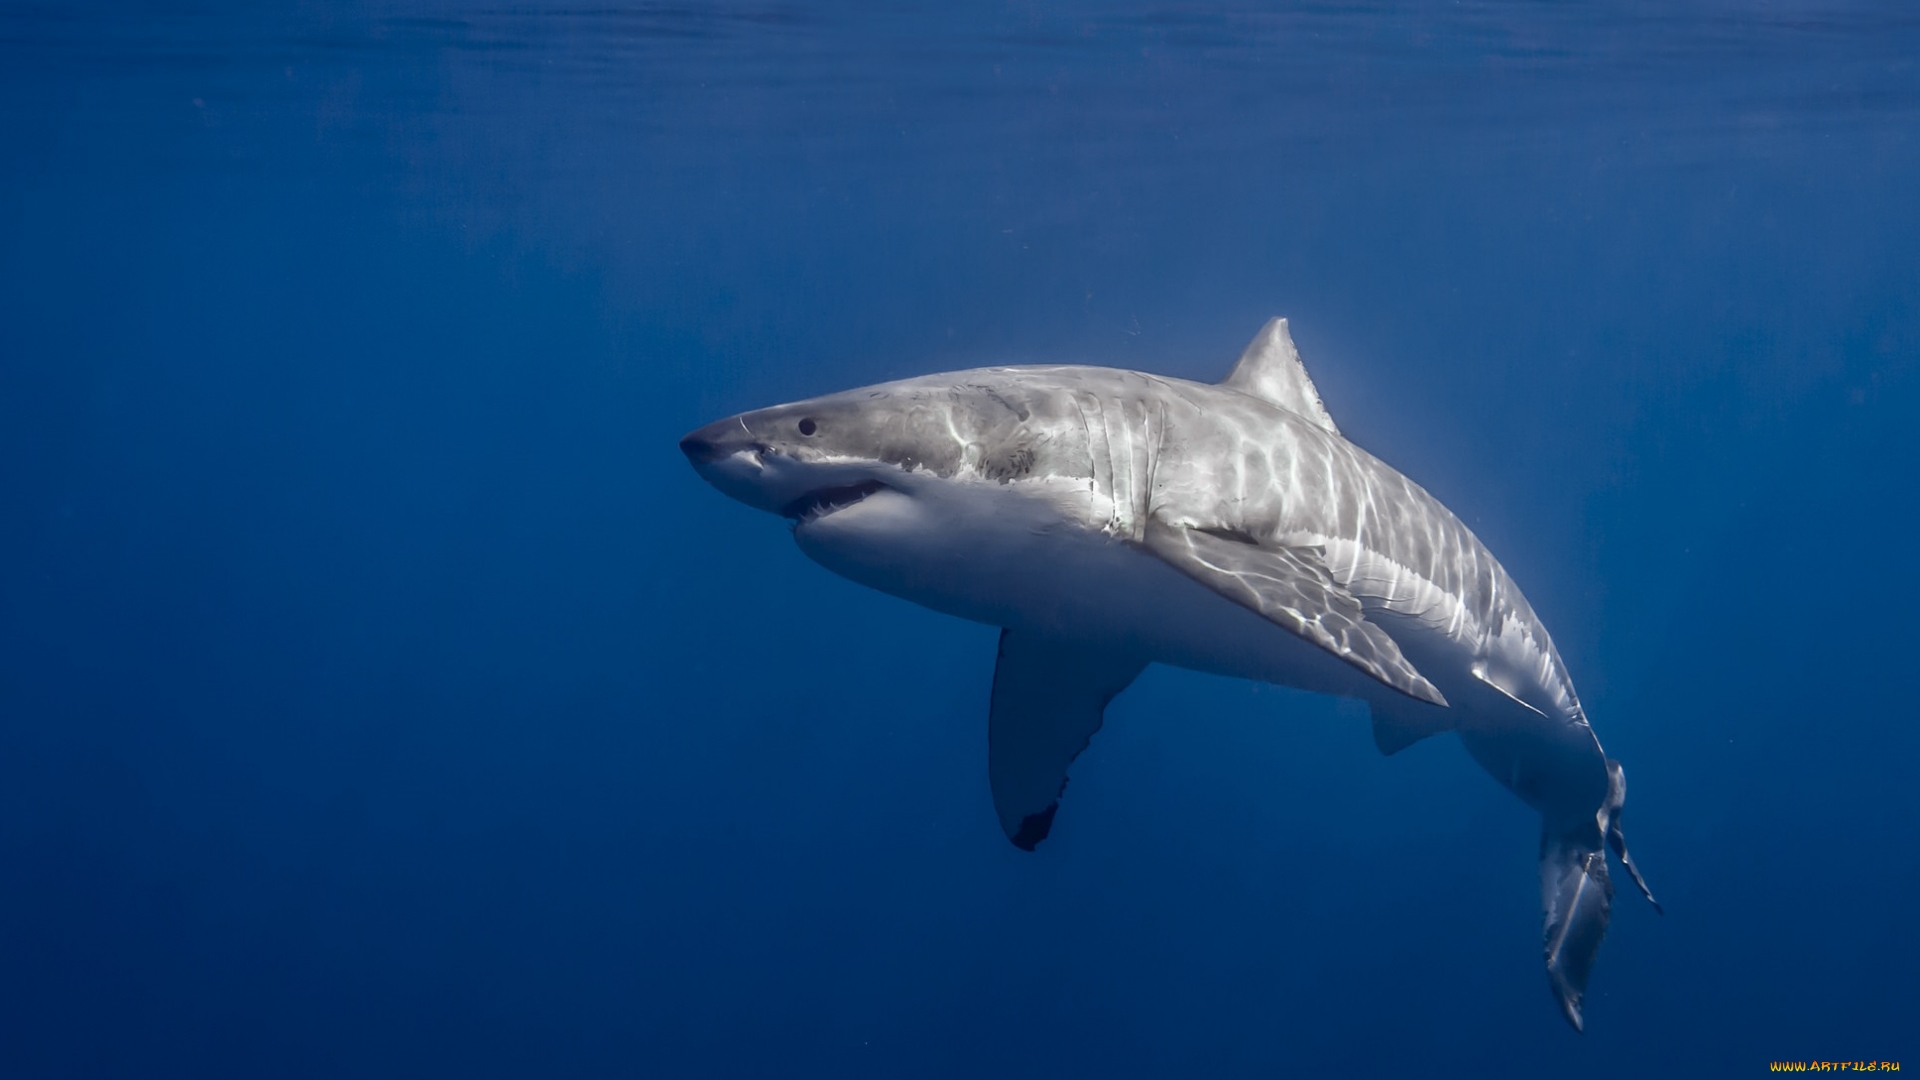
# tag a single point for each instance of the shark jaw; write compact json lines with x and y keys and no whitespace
{"x":766,"y":479}
{"x":820,"y":502}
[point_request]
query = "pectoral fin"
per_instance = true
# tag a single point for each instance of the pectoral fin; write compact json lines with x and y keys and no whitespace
{"x":1292,"y":587}
{"x":1048,"y":699}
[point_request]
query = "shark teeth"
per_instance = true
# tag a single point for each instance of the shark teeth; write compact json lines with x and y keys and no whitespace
{"x":818,"y":504}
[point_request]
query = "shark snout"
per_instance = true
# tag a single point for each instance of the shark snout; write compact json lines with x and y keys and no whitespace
{"x":715,"y":441}
{"x":699,"y":448}
{"x":726,"y":455}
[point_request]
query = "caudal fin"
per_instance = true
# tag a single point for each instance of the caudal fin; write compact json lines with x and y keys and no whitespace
{"x":1577,"y":893}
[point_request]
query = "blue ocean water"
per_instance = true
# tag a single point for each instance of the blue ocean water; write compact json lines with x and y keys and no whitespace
{"x":382,"y":695}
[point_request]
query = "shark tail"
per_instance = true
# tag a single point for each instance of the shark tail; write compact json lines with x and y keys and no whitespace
{"x":1577,"y":893}
{"x":1578,"y":897}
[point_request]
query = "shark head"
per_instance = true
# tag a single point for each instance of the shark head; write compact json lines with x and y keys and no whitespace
{"x":799,"y":461}
{"x":932,"y":489}
{"x":815,"y":460}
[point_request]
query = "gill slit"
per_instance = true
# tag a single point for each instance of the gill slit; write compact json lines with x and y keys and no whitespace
{"x":1116,"y":516}
{"x":1093,"y":454}
{"x":1153,"y":465}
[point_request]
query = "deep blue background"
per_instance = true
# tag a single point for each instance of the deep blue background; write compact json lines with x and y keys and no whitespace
{"x":381,"y":695}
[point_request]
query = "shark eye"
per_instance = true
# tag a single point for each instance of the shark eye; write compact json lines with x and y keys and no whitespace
{"x":807,"y":426}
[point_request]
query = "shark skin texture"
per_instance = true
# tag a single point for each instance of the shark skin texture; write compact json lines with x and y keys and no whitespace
{"x":1108,"y":519}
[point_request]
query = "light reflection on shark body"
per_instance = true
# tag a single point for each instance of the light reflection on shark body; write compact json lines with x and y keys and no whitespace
{"x":1108,"y":519}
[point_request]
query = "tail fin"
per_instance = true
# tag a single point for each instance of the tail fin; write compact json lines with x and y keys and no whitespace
{"x":1578,"y":897}
{"x":1577,"y":893}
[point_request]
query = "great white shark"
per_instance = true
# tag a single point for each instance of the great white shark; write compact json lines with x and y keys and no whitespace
{"x":1108,"y":519}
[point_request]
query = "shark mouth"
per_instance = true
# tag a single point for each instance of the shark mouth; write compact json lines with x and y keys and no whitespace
{"x":818,"y":504}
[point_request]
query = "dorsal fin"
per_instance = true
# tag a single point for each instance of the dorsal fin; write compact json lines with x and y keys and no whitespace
{"x":1271,"y":370}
